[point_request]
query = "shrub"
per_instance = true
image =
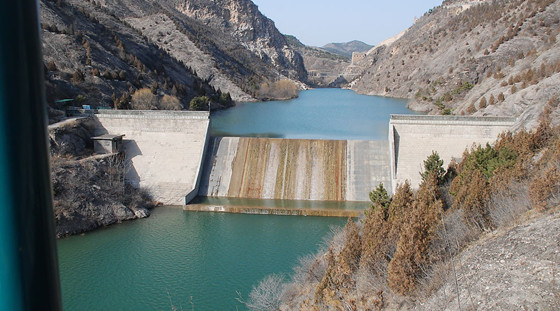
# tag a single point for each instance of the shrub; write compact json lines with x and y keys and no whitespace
{"x":225,"y":99}
{"x":169,"y":102}
{"x":51,"y":66}
{"x":267,"y":295}
{"x":199,"y":103}
{"x":143,"y":99}
{"x":122,"y":75}
{"x":412,"y":255}
{"x":471,"y":187}
{"x":283,"y":89}
{"x":501,"y":97}
{"x":482,"y":103}
{"x":544,"y":189}
{"x":513,"y":89}
{"x":492,"y":100}
{"x":471,"y":108}
{"x":78,"y":76}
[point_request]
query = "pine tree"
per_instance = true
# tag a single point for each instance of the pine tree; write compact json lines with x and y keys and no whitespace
{"x":433,"y":165}
{"x":379,"y":197}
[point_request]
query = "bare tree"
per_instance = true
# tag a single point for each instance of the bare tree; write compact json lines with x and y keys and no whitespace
{"x":267,"y":295}
{"x":143,"y":99}
{"x":169,"y":102}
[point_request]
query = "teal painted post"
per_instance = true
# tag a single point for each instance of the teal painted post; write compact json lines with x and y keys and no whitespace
{"x":28,"y":262}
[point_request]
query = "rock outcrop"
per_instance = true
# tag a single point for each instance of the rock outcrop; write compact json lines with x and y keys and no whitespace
{"x":242,"y":21}
{"x":473,"y":57}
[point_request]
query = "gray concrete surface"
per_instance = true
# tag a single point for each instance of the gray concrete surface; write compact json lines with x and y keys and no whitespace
{"x":165,"y":149}
{"x":413,"y":138}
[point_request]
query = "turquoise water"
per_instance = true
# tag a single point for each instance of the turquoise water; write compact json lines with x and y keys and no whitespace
{"x":164,"y":260}
{"x":316,"y":114}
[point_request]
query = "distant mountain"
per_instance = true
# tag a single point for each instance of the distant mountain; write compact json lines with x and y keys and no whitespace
{"x":324,"y":68}
{"x":346,"y":49}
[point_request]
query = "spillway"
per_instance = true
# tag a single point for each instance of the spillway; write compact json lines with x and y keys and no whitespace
{"x":294,"y":169}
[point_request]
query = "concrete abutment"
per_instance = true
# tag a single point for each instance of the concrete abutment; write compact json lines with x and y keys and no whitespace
{"x":413,"y":138}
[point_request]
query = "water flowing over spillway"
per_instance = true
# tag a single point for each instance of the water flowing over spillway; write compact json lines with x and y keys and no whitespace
{"x":295,"y":169}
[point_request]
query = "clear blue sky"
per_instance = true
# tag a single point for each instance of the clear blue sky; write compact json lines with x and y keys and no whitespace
{"x":318,"y":22}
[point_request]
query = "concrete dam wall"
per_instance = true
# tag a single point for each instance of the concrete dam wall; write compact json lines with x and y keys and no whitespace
{"x":298,"y":169}
{"x":165,"y":149}
{"x":171,"y":155}
{"x":413,"y":138}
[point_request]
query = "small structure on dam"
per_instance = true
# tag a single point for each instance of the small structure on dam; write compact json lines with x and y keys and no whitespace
{"x":412,"y":138}
{"x":107,"y":143}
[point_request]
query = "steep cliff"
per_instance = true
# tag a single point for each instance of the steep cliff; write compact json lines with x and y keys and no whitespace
{"x":101,"y":52}
{"x":473,"y":57}
{"x":245,"y":24}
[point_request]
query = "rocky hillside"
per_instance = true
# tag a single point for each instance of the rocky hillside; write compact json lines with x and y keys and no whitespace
{"x":89,"y":190}
{"x":347,"y":48}
{"x":101,"y":52}
{"x":323,"y":67}
{"x":485,"y":57}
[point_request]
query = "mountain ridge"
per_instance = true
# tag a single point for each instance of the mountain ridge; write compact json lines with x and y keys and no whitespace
{"x":347,"y":48}
{"x":473,"y":58}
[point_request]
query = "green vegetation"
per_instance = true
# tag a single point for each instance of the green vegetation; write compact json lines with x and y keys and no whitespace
{"x":379,"y":197}
{"x":433,"y":166}
{"x":199,"y":103}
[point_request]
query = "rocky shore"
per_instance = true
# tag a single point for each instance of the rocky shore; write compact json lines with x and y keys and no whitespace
{"x":89,"y":190}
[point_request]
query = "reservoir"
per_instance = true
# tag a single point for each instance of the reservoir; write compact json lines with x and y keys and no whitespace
{"x":204,"y":261}
{"x":315,"y":114}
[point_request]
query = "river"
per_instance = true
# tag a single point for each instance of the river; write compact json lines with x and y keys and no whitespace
{"x":204,"y":261}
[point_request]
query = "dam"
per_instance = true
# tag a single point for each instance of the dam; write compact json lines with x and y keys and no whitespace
{"x":172,"y":156}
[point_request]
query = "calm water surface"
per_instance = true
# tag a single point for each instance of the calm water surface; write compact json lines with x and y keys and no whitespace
{"x":316,"y":114}
{"x":140,"y":265}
